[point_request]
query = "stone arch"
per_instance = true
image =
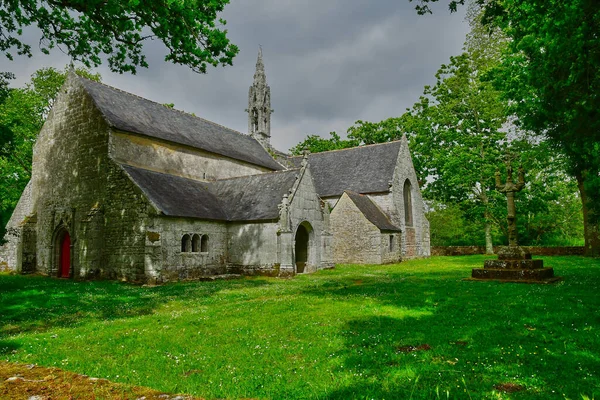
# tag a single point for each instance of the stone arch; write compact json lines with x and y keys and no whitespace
{"x":408,"y":204}
{"x":195,"y":243}
{"x":63,"y":252}
{"x":186,"y":243}
{"x":303,"y":246}
{"x":204,"y":244}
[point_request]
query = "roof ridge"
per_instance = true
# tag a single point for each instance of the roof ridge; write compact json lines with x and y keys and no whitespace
{"x":162,"y":105}
{"x":352,"y":148}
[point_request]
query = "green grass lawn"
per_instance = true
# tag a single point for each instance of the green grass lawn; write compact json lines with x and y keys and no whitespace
{"x":411,"y":330}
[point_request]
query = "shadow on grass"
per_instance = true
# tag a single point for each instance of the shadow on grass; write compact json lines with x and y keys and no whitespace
{"x":34,"y":303}
{"x":429,"y":337}
{"x":7,"y":347}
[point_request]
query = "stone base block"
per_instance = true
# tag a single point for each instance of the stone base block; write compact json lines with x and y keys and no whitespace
{"x":513,"y":264}
{"x":540,"y":275}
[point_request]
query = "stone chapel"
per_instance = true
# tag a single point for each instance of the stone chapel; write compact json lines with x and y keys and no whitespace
{"x":126,"y":188}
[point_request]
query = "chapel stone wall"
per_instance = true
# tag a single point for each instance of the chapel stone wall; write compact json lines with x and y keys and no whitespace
{"x":253,"y":248}
{"x":10,"y":252}
{"x":355,"y":239}
{"x":307,"y":207}
{"x":183,"y":248}
{"x":391,"y":247}
{"x":176,"y":159}
{"x":77,"y":188}
{"x":387,"y":203}
{"x":415,"y":237}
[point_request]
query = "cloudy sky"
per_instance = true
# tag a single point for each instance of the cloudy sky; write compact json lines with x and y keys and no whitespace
{"x":328,"y":63}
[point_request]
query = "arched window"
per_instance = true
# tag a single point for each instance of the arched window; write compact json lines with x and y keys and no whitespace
{"x":408,"y":212}
{"x":204,"y":244}
{"x":186,"y":243}
{"x":195,"y":243}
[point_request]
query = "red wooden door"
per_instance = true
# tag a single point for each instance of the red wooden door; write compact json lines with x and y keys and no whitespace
{"x":65,"y":256}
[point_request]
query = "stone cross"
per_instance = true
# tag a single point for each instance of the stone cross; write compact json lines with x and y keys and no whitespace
{"x":510,"y":188}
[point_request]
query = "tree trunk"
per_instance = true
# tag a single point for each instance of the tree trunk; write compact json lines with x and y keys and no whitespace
{"x":489,"y":246}
{"x":591,"y":232}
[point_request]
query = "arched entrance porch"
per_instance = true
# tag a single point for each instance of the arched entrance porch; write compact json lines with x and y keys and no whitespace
{"x":302,"y":246}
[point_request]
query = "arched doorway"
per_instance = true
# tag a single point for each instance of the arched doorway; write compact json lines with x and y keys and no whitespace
{"x":302,"y":246}
{"x":63,"y":259}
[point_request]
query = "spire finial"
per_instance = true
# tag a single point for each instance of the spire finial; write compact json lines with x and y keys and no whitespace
{"x":259,"y":75}
{"x":259,"y":104}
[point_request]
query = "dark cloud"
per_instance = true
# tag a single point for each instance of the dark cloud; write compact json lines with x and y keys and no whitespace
{"x":329,"y":63}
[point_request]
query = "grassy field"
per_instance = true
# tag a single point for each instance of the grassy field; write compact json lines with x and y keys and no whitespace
{"x":412,"y":330}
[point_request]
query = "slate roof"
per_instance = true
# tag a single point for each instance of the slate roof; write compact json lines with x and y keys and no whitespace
{"x":131,"y":113}
{"x":363,"y":169}
{"x":247,"y":198}
{"x":176,"y":196}
{"x":372,"y":212}
{"x":254,"y":197}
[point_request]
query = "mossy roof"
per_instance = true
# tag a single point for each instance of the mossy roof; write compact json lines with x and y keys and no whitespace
{"x":130,"y":113}
{"x":363,"y":169}
{"x":246,"y":198}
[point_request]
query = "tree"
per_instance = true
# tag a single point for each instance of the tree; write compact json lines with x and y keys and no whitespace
{"x":22,"y":114}
{"x":548,"y":207}
{"x":457,"y":128}
{"x":317,"y":144}
{"x":549,"y":72}
{"x":464,"y":140}
{"x":5,"y":137}
{"x":423,"y":5}
{"x":89,"y":29}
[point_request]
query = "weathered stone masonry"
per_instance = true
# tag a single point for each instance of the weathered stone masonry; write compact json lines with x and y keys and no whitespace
{"x":119,"y":182}
{"x":86,"y":193}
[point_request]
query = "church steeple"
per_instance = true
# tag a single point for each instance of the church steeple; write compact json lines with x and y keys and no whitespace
{"x":259,"y":105}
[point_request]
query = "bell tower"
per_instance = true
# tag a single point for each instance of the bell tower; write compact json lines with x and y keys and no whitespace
{"x":259,"y":105}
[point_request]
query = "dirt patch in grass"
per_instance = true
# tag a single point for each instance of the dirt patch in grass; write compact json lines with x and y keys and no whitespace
{"x":19,"y":381}
{"x":509,"y":387}
{"x":411,"y":349}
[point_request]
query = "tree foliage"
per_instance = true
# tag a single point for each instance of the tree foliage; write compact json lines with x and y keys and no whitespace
{"x":317,"y":144}
{"x":22,"y":114}
{"x":87,"y":30}
{"x":549,"y":74}
{"x":455,"y":131}
{"x":460,"y":131}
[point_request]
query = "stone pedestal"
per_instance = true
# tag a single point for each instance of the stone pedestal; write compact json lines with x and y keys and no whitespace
{"x":514,"y":264}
